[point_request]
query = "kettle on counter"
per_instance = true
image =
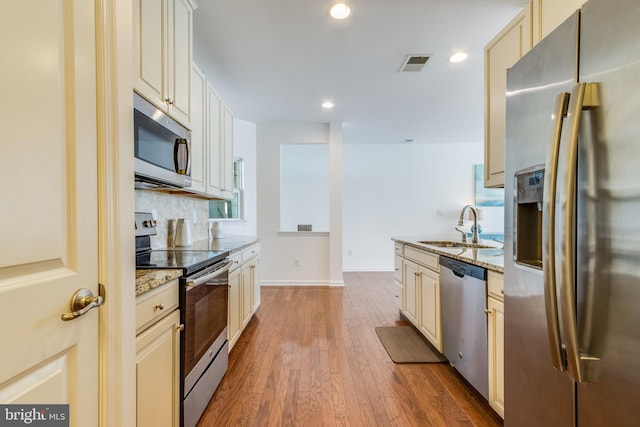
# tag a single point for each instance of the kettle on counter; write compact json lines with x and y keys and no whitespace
{"x":183,"y":233}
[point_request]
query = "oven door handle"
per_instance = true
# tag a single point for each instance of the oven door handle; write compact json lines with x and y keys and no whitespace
{"x":203,"y":279}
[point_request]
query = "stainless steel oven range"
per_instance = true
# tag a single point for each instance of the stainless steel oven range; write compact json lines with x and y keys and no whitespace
{"x":204,"y":288}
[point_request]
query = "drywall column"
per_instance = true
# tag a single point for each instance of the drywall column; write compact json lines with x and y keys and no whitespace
{"x":335,"y":205}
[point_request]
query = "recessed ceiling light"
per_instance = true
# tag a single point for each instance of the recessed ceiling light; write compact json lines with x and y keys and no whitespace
{"x":340,"y":11}
{"x":327,"y":105}
{"x":458,"y":57}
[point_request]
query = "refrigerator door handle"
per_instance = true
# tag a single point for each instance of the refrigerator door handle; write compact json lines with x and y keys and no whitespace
{"x":583,"y":96}
{"x":558,"y":359}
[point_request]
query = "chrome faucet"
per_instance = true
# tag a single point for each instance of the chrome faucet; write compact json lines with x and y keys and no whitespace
{"x":474,"y":239}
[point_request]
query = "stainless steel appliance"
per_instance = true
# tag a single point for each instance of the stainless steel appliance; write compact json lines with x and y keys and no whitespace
{"x":572,"y":341}
{"x":204,"y":290}
{"x":161,"y":147}
{"x":463,"y":299}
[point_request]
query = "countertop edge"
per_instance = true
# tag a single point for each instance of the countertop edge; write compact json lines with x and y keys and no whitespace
{"x":467,"y":255}
{"x":148,"y":279}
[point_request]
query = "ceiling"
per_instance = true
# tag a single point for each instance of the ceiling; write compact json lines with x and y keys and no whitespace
{"x":278,"y":60}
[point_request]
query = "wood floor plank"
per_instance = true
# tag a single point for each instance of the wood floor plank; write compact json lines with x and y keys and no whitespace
{"x":311,"y":357}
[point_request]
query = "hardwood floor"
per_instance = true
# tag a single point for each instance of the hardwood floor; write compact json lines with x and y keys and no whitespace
{"x":311,"y":357}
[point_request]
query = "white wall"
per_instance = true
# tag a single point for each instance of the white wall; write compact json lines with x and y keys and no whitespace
{"x":286,"y":258}
{"x":396,"y":190}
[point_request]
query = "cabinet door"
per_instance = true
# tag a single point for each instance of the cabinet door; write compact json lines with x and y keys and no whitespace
{"x":198,"y":130}
{"x":500,"y":54}
{"x":227,"y":153}
{"x":411,"y":279}
{"x":255,"y":278}
{"x":180,"y":59}
{"x":150,"y":38}
{"x":495,"y":327}
{"x":430,"y":306}
{"x":214,"y":184}
{"x":158,"y":373}
{"x":548,"y":14}
{"x":234,"y":310}
{"x":247,"y":290}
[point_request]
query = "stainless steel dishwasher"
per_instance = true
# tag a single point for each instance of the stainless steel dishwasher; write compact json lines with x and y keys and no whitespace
{"x":463,"y":299}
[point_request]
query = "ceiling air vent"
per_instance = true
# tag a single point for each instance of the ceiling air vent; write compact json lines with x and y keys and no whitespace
{"x":414,"y":63}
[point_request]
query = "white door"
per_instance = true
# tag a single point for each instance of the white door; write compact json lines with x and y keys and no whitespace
{"x":48,"y":208}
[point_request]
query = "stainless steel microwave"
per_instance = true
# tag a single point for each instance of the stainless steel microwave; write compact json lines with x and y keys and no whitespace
{"x":162,"y":148}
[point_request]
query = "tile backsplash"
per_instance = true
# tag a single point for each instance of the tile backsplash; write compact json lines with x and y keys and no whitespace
{"x":169,"y":206}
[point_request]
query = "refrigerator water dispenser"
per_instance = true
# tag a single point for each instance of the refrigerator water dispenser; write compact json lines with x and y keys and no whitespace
{"x":528,"y":218}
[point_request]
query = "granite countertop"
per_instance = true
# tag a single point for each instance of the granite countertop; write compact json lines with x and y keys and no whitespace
{"x":491,"y":258}
{"x":151,"y":279}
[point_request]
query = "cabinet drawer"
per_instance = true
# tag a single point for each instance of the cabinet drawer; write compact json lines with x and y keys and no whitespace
{"x":427,"y":259}
{"x":247,"y":254}
{"x":156,"y":304}
{"x":495,"y":284}
{"x":398,"y":249}
{"x":236,"y":260}
{"x":397,"y":265}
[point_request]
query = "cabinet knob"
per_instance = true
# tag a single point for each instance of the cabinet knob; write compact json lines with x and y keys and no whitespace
{"x":180,"y":327}
{"x":159,"y":306}
{"x":487,"y":311}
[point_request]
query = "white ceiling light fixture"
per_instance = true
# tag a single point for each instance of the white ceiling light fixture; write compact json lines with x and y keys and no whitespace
{"x":458,"y":57}
{"x":340,"y":11}
{"x":327,"y":105}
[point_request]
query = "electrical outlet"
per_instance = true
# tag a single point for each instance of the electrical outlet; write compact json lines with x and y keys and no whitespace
{"x":195,"y":218}
{"x":440,"y":212}
{"x":349,"y":252}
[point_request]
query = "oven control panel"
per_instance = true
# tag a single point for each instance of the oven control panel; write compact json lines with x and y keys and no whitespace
{"x":145,"y":224}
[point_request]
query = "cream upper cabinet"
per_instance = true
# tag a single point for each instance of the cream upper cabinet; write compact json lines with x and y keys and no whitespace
{"x":211,"y":140}
{"x":214,"y":159}
{"x":500,"y":54}
{"x":548,"y":14}
{"x":226,"y":168}
{"x":163,"y":44}
{"x":198,"y":130}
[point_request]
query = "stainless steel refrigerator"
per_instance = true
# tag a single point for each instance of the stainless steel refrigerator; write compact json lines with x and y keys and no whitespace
{"x":572,"y":224}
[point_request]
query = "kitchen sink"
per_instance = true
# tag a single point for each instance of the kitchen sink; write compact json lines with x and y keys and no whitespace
{"x":450,"y":244}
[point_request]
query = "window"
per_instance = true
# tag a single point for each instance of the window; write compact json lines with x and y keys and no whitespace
{"x":231,"y":209}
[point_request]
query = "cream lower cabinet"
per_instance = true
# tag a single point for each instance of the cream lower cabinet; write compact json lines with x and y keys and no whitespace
{"x":158,"y":357}
{"x":430,"y":307}
{"x":244,"y":290}
{"x":495,"y":328}
{"x":421,"y":291}
{"x":411,"y":284}
{"x":397,"y":283}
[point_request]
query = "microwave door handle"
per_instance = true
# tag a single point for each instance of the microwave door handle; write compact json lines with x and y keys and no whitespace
{"x":549,"y":236}
{"x":581,"y":368}
{"x":182,"y":156}
{"x":203,"y":279}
